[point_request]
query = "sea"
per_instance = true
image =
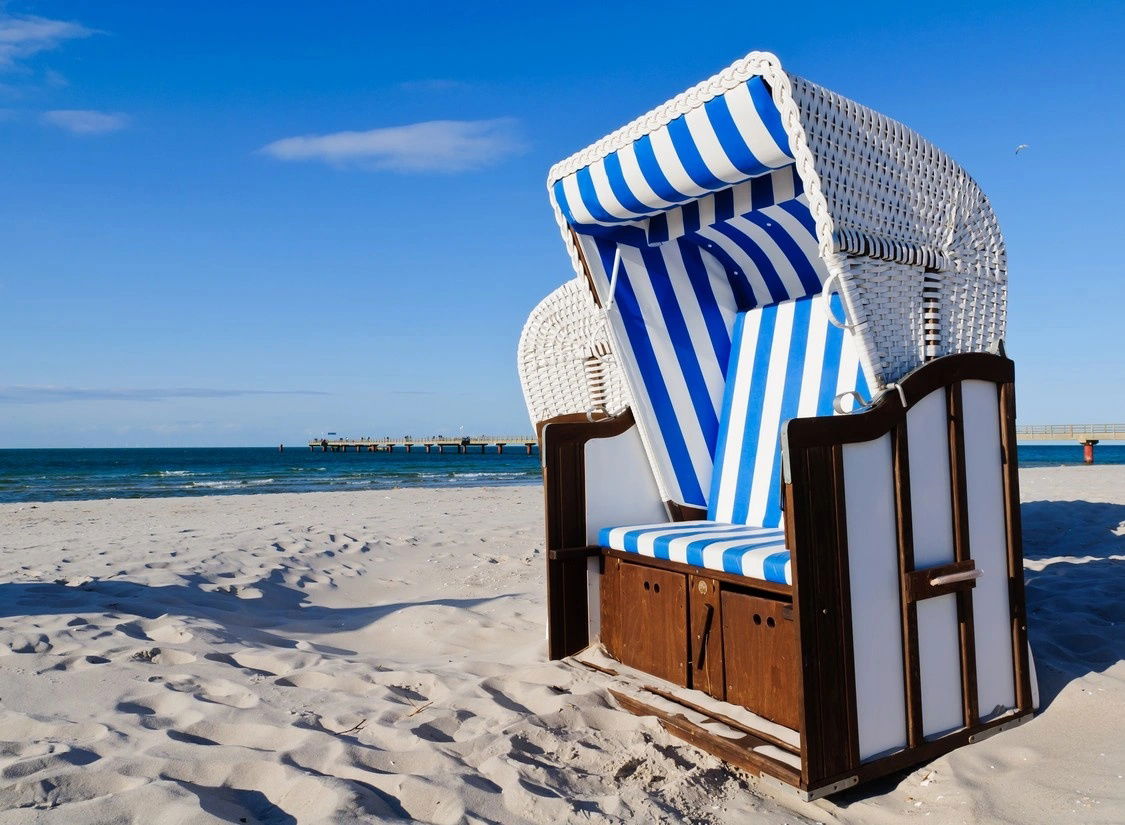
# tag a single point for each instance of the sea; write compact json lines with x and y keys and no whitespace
{"x":76,"y":474}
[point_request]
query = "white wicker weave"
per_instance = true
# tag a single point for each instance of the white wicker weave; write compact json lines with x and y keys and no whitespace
{"x":894,"y":216}
{"x":566,"y":363}
{"x":905,"y":219}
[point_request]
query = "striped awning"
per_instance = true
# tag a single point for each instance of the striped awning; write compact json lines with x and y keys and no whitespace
{"x":728,"y":140}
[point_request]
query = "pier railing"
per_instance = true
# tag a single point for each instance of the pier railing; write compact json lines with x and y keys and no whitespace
{"x":462,"y":443}
{"x":1070,"y":432}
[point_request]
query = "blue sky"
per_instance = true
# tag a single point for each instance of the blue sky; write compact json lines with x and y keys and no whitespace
{"x":181,"y":265}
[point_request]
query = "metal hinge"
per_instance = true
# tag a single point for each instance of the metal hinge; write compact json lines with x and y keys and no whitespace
{"x":985,"y":734}
{"x":809,"y":796}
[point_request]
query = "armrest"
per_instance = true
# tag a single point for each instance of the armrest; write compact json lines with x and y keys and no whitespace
{"x":563,"y":441}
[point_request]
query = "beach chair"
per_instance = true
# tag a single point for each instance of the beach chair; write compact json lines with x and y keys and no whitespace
{"x":777,"y":427}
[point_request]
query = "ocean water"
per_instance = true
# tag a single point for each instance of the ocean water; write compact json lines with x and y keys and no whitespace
{"x":51,"y":475}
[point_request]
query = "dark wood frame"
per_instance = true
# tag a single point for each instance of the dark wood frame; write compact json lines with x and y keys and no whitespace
{"x":816,"y":534}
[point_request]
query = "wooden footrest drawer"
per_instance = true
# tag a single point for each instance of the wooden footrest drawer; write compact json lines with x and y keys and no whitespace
{"x":760,"y":656}
{"x":644,"y":619}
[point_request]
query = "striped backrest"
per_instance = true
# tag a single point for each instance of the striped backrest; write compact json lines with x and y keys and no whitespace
{"x":786,"y":361}
{"x":708,"y":216}
{"x":675,"y":305}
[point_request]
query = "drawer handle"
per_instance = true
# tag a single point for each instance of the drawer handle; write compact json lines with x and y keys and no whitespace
{"x":953,"y":578}
{"x":703,"y":637}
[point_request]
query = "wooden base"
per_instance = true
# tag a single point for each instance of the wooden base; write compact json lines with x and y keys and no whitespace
{"x":700,"y":632}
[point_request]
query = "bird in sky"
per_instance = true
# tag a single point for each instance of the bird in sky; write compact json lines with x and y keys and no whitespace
{"x":1021,"y":147}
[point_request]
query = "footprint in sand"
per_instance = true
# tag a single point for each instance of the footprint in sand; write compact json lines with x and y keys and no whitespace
{"x":318,"y":680}
{"x":66,"y":788}
{"x":273,"y":664}
{"x":162,"y":629}
{"x":162,"y":656}
{"x":43,"y":756}
{"x":26,"y":643}
{"x":78,"y":663}
{"x":251,"y":735}
{"x":19,"y":727}
{"x":219,"y":691}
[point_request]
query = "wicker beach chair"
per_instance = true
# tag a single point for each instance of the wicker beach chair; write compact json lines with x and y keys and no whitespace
{"x":777,"y":429}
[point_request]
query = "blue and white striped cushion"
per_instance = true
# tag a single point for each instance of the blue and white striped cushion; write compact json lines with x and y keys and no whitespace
{"x":733,"y":137}
{"x":674,"y":309}
{"x":744,"y":551}
{"x":787,"y":361}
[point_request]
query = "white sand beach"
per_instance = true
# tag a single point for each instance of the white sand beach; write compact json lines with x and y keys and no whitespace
{"x":379,"y":656}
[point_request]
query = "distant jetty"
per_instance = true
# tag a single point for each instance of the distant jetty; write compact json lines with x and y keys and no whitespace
{"x":461,"y":444}
{"x":1087,"y":435}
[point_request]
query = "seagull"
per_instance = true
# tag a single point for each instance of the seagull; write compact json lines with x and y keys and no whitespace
{"x":1021,"y":147}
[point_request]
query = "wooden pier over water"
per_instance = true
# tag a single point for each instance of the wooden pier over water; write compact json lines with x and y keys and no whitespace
{"x":460,"y":444}
{"x":1070,"y":432}
{"x":1085,"y":434}
{"x":1088,"y":435}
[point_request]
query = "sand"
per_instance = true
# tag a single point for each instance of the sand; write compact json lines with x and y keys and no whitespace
{"x":379,"y":656}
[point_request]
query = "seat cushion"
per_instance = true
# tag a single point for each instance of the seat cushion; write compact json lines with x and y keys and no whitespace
{"x":756,"y":552}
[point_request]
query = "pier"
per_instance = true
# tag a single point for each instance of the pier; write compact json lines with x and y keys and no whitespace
{"x":1088,"y":435}
{"x":460,"y":444}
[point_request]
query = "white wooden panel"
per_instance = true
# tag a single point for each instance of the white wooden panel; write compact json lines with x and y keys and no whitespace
{"x":620,"y":487}
{"x":939,"y":660}
{"x":939,"y":653}
{"x":988,"y":547}
{"x":927,"y":432}
{"x":873,"y":569}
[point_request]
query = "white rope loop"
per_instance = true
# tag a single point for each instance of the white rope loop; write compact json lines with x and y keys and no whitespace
{"x":826,"y":295}
{"x":860,"y":402}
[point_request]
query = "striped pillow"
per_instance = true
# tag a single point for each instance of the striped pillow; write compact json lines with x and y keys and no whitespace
{"x":786,"y":361}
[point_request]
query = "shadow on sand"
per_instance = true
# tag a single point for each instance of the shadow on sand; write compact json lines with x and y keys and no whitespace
{"x":254,"y":621}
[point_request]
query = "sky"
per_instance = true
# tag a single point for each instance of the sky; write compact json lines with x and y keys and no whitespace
{"x":252,"y":223}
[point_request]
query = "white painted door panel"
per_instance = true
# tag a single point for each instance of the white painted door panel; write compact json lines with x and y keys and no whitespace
{"x":939,"y":655}
{"x":873,"y":569}
{"x":988,"y":547}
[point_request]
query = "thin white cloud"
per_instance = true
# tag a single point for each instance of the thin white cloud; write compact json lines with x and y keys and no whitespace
{"x":433,"y":84}
{"x":22,"y":36}
{"x":432,"y":146}
{"x":53,"y":395}
{"x":86,"y":121}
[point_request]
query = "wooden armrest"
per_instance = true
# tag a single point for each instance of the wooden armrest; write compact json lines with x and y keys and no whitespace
{"x":567,"y":553}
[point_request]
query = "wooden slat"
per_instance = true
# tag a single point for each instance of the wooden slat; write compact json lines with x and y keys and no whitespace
{"x":1016,"y":595}
{"x":685,"y":512}
{"x":726,"y":720}
{"x":739,"y":752}
{"x":962,"y":552}
{"x":829,"y":736}
{"x":563,"y":445}
{"x":912,"y":669}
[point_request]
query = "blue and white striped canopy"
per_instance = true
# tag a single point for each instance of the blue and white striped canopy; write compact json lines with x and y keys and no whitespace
{"x":709,"y":219}
{"x":730,"y":139}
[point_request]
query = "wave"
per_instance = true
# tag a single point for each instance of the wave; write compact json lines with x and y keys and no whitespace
{"x":233,"y":483}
